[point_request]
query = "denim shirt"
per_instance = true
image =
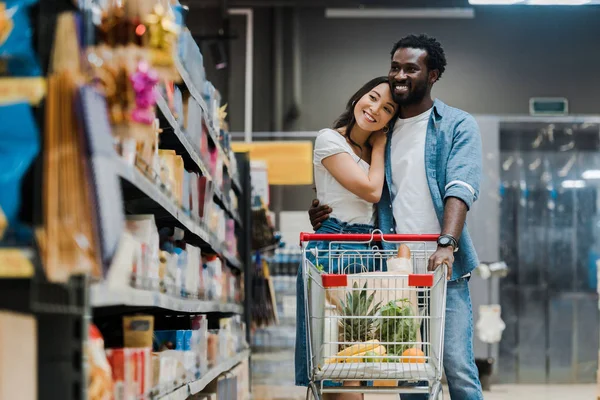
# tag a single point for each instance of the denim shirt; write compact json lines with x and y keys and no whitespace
{"x":453,"y":168}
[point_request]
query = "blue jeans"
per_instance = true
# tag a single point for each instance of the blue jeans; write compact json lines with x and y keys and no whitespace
{"x":331,"y":225}
{"x":459,"y":359}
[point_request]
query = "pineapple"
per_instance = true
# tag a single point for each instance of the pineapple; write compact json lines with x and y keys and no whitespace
{"x":356,"y":330}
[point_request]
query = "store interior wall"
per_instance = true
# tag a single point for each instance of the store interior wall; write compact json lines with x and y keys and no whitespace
{"x":496,"y":63}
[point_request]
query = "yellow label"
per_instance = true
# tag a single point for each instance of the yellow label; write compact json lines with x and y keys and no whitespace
{"x":13,"y":90}
{"x":14,"y":264}
{"x":288,"y":163}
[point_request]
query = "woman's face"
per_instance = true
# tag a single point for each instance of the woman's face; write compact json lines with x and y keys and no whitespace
{"x":375,"y":109}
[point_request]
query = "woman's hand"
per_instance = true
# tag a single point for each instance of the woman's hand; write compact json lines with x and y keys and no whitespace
{"x":378,"y":138}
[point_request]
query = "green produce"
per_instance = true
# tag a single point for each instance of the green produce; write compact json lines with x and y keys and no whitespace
{"x":357,"y":303}
{"x":397,"y":330}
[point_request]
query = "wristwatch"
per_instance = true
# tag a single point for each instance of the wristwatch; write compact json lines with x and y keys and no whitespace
{"x":448,"y":240}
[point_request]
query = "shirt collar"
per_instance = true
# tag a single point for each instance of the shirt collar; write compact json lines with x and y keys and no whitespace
{"x":439,"y":108}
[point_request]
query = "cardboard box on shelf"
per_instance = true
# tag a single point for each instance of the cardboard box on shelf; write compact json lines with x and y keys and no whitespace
{"x":137,"y":330}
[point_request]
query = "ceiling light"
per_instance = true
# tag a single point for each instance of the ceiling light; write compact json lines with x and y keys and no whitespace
{"x":573,"y":184}
{"x":591,"y":174}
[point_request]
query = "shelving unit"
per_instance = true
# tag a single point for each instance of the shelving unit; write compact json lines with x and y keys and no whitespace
{"x":143,"y":195}
{"x":212,"y":131}
{"x":190,"y":155}
{"x":64,"y":310}
{"x":189,"y":389}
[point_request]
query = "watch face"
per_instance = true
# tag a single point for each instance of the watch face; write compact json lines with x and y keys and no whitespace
{"x":444,"y":241}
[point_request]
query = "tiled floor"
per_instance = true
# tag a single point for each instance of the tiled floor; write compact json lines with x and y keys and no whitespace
{"x":499,"y":392}
{"x":273,"y":378}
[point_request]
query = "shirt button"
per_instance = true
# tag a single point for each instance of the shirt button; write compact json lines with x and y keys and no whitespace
{"x":390,"y":206}
{"x":392,"y":230}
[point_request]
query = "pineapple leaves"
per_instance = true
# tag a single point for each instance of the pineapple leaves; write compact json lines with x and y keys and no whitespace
{"x":357,"y":304}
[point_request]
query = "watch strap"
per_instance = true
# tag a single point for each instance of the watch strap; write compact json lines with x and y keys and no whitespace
{"x":452,"y":239}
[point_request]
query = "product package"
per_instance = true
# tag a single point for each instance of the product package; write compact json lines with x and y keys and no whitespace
{"x":200,"y":343}
{"x":16,"y":50}
{"x":143,"y":228}
{"x":165,"y":370}
{"x":100,"y":385}
{"x":138,"y":330}
{"x":19,"y":145}
{"x":177,"y":344}
{"x":192,"y":272}
{"x":132,"y":372}
{"x":172,"y":340}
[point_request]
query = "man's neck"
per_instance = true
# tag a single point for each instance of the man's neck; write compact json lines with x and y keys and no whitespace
{"x":415,"y":109}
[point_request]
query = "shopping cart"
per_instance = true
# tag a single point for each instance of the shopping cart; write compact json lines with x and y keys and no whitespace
{"x":374,"y":318}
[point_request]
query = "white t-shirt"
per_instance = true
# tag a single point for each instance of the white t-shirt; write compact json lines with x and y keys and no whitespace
{"x":347,"y":207}
{"x":411,"y":199}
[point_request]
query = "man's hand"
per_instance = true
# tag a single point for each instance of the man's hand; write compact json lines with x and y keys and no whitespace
{"x":318,"y":213}
{"x":443,"y":255}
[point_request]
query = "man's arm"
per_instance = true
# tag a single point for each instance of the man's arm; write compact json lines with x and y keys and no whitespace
{"x":318,"y":214}
{"x":463,"y":174}
{"x":455,"y":214}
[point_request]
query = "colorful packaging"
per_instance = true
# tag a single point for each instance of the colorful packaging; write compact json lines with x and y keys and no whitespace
{"x":19,"y":145}
{"x":16,"y":50}
{"x":172,"y":340}
{"x":132,"y":372}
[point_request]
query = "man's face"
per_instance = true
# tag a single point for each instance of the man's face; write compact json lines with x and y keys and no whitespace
{"x":409,"y":78}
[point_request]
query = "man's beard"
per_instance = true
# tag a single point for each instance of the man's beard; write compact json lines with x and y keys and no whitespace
{"x":413,"y":97}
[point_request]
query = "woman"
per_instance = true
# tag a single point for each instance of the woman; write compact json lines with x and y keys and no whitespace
{"x":349,"y":174}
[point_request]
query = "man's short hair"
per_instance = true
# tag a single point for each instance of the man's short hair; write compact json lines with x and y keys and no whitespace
{"x":436,"y":59}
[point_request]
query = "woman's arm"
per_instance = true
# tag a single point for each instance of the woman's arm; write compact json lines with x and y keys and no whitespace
{"x":352,"y":177}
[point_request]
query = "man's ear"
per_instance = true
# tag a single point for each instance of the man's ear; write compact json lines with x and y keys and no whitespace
{"x":434,"y":75}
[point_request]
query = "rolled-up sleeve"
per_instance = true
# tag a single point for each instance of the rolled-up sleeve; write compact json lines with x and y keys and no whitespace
{"x":463,"y":173}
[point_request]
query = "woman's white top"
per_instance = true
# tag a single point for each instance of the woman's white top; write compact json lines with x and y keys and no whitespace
{"x":347,"y":207}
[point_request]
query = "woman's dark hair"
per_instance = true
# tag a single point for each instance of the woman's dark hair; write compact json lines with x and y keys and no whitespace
{"x":347,"y":120}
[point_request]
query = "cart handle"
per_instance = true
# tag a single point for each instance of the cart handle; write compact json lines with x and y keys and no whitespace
{"x":361,"y":237}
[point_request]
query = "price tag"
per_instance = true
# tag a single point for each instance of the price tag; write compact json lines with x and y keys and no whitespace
{"x":14,"y":264}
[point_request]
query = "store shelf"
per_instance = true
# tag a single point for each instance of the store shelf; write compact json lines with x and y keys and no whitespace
{"x":197,"y":386}
{"x":165,"y":209}
{"x":213,"y":373}
{"x":233,"y":213}
{"x":192,"y":154}
{"x":102,"y":296}
{"x":237,"y":186}
{"x":233,"y":261}
{"x":212,"y":131}
{"x":179,"y":394}
{"x":180,"y":135}
{"x":162,"y":199}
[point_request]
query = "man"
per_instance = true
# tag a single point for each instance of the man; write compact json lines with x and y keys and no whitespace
{"x":433,"y":171}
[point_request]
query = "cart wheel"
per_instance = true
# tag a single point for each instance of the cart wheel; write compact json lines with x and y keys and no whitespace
{"x":314,"y":390}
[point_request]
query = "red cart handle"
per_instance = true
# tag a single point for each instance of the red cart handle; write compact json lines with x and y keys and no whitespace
{"x":359,"y":237}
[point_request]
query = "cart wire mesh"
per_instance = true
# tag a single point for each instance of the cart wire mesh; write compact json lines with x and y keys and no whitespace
{"x":373,"y":315}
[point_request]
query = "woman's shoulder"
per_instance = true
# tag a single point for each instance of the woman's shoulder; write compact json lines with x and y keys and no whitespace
{"x":329,"y":136}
